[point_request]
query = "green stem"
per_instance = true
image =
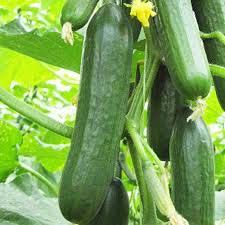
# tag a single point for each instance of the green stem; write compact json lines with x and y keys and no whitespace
{"x":34,"y":115}
{"x":151,"y":153}
{"x":126,"y":169}
{"x":214,"y":35}
{"x":217,"y":70}
{"x":149,"y":211}
{"x":39,"y":177}
{"x":136,"y":108}
{"x":159,"y":191}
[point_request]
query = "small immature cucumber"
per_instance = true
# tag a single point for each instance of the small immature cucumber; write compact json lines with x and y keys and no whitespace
{"x":181,"y":47}
{"x":115,"y":209}
{"x":211,"y":17}
{"x":162,"y":109}
{"x":77,"y":12}
{"x":102,"y":106}
{"x":192,"y":165}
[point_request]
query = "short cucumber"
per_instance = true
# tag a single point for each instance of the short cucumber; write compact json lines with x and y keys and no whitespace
{"x":211,"y":17}
{"x":192,"y":167}
{"x":102,"y":106}
{"x":181,"y":47}
{"x":162,"y":109}
{"x":77,"y":12}
{"x":115,"y":209}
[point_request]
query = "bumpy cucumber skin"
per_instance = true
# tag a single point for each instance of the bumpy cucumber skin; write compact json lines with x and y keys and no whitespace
{"x":115,"y":209}
{"x":105,"y":72}
{"x":211,"y":17}
{"x":192,"y":167}
{"x":162,"y":108}
{"x":179,"y":42}
{"x":77,"y":12}
{"x":135,"y":24}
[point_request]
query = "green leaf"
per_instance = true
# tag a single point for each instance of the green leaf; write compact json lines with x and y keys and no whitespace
{"x":9,"y":138}
{"x":219,"y":166}
{"x":213,"y":110}
{"x":22,"y":69}
{"x":51,"y":156}
{"x":47,"y":47}
{"x":21,"y":203}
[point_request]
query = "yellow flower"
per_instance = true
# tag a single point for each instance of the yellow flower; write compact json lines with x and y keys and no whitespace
{"x":143,"y":10}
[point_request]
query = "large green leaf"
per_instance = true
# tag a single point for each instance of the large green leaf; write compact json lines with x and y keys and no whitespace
{"x":51,"y":156}
{"x":47,"y":47}
{"x":219,"y":167}
{"x":22,"y":69}
{"x":21,"y":203}
{"x":213,"y":110}
{"x":9,"y":138}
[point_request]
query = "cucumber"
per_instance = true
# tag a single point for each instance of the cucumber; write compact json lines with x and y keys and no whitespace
{"x":192,"y":167}
{"x":179,"y":44}
{"x":115,"y":209}
{"x":102,"y":106}
{"x":135,"y":24}
{"x":77,"y":12}
{"x":211,"y":17}
{"x":162,"y":109}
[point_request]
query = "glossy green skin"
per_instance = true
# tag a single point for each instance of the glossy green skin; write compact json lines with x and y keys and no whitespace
{"x":135,"y":24}
{"x":211,"y":17}
{"x":192,"y":167}
{"x":162,"y":109}
{"x":115,"y":209}
{"x":180,"y":45}
{"x":77,"y":12}
{"x":100,"y":116}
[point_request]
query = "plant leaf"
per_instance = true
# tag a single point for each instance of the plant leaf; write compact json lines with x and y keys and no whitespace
{"x":9,"y":138}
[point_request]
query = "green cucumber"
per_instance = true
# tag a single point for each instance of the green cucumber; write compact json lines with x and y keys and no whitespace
{"x":192,"y":167}
{"x":77,"y":12}
{"x":135,"y":24}
{"x":162,"y":109}
{"x":179,"y":44}
{"x":102,"y":106}
{"x":211,"y":17}
{"x":115,"y":209}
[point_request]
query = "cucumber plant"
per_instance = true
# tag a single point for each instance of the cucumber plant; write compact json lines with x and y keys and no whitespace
{"x":175,"y":71}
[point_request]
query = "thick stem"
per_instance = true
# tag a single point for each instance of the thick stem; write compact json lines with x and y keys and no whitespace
{"x":217,"y":70}
{"x":157,"y":188}
{"x":214,"y":35}
{"x":149,"y":211}
{"x":39,"y":177}
{"x":136,"y":108}
{"x":34,"y":115}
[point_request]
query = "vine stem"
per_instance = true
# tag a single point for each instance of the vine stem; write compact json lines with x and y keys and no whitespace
{"x":217,"y":70}
{"x":137,"y":105}
{"x":149,"y":211}
{"x":39,"y":177}
{"x":155,"y":186}
{"x":126,"y":169}
{"x":214,"y":35}
{"x":34,"y":115}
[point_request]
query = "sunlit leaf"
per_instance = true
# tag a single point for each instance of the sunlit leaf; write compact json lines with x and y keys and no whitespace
{"x":9,"y":138}
{"x":213,"y":110}
{"x":47,"y":47}
{"x":52,"y":157}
